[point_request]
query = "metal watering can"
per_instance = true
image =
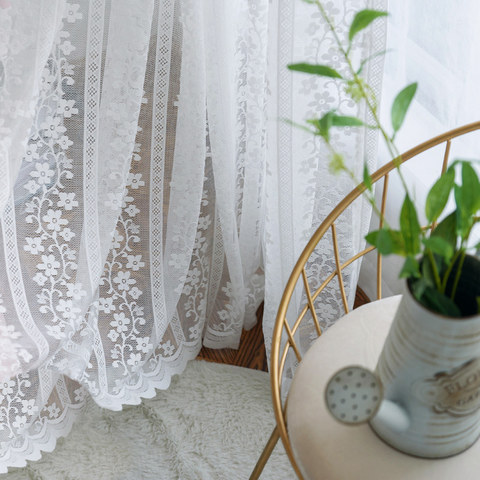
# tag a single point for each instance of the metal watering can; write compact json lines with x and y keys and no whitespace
{"x":424,"y":397}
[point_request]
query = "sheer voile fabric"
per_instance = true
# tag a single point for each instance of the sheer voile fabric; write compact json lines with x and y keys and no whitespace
{"x":437,"y":44}
{"x":139,"y":188}
{"x":301,"y":190}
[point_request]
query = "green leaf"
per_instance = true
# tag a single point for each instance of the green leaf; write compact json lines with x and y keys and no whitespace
{"x":345,"y":121}
{"x":417,"y":287}
{"x":323,"y":125}
{"x":387,"y":241}
{"x":367,"y":179}
{"x":447,"y":229}
{"x":478,"y":304}
{"x":410,"y":227}
{"x":438,"y":195}
{"x":322,"y":70}
{"x":411,"y":268}
{"x":439,"y":246}
{"x":427,"y":272}
{"x":337,"y":163}
{"x":471,"y":185}
{"x":464,"y":216}
{"x":400,"y":106}
{"x":371,"y":57}
{"x":363,"y":19}
{"x":436,"y":301}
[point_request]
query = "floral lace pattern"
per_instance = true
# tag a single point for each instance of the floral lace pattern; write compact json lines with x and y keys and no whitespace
{"x":133,"y":232}
{"x":301,"y":193}
{"x":146,"y":193}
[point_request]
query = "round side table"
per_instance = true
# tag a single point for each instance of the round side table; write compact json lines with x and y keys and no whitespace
{"x":328,"y":450}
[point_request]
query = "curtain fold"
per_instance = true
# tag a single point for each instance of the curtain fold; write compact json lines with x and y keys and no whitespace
{"x":300,"y":189}
{"x":142,"y":201}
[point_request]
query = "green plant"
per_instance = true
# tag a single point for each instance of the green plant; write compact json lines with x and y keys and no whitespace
{"x":435,"y":255}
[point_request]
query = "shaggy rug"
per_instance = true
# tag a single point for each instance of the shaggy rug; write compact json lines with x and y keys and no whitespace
{"x":212,"y":423}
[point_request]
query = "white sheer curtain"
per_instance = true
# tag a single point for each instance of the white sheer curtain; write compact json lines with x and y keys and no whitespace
{"x":300,"y":189}
{"x":437,"y":44}
{"x":135,"y":132}
{"x":136,"y":176}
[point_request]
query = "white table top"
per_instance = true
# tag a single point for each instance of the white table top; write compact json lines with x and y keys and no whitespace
{"x":328,"y":450}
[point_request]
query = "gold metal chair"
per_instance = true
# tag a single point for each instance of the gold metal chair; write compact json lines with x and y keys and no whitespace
{"x":283,"y":331}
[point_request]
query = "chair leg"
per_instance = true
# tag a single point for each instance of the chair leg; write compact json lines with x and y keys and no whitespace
{"x":267,"y":451}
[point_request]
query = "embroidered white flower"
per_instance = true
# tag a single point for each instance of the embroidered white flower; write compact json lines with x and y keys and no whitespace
{"x":67,"y":48}
{"x":167,"y":348}
{"x":20,"y":423}
{"x":67,"y":200}
{"x":204,"y":222}
{"x":7,"y":387}
{"x":67,"y":234}
{"x":114,"y":200}
{"x":194,"y":332}
{"x":72,"y":13}
{"x":29,"y":407}
{"x":65,"y":108}
{"x":134,"y":262}
{"x":132,"y":210}
{"x":135,"y":181}
{"x":75,"y":291}
{"x":177,"y":261}
{"x":65,"y":142}
{"x":117,"y":239}
{"x":49,"y":264}
{"x":53,"y":410}
{"x":80,"y":394}
{"x":34,"y":245}
{"x":143,"y":344}
{"x":124,"y":281}
{"x":120,"y":322}
{"x":135,"y":293}
{"x":193,"y":276}
{"x":134,"y":360}
{"x":66,"y":308}
{"x":42,"y":173}
{"x":31,"y":186}
{"x":106,"y":304}
{"x":54,"y":220}
{"x":39,"y":279}
{"x":113,"y":335}
{"x":52,"y":127}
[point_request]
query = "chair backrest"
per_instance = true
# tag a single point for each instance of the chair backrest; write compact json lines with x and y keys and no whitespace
{"x":285,"y":330}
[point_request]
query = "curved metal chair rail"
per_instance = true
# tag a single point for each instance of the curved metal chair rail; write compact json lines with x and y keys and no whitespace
{"x":278,"y":358}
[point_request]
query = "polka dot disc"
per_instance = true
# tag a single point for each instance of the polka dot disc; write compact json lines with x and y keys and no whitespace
{"x":353,"y":395}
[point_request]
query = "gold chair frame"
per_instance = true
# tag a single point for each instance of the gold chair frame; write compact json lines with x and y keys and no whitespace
{"x":282,"y":329}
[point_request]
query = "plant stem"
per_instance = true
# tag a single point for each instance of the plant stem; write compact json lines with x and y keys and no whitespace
{"x":458,"y":274}
{"x":449,"y":271}
{"x":367,"y":193}
{"x":388,"y":141}
{"x":436,"y":276}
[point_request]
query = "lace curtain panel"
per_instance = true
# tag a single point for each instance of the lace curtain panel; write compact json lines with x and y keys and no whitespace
{"x":141,"y":199}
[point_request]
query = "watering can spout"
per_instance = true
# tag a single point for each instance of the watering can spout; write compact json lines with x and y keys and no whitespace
{"x":354,"y":395}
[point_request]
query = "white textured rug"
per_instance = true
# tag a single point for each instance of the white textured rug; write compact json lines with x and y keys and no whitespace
{"x":212,"y":423}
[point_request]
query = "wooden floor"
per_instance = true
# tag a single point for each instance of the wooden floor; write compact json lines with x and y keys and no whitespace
{"x":251,"y":352}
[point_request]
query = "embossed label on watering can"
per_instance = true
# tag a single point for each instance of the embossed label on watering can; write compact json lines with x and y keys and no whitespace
{"x":456,"y":392}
